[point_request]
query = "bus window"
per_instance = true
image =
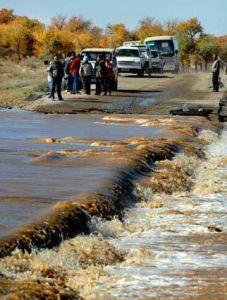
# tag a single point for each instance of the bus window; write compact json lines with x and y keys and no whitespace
{"x":165,"y":47}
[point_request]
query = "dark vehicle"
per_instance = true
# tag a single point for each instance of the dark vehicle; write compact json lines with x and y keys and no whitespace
{"x":157,"y":61}
{"x":191,"y":111}
{"x":168,"y":46}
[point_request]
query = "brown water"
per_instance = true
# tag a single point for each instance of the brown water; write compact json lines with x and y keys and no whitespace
{"x":171,"y":245}
{"x":175,"y":245}
{"x":34,"y":174}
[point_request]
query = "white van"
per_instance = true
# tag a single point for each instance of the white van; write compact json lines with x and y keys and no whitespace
{"x":145,"y":50}
{"x":168,"y":47}
{"x":92,"y":54}
{"x":131,"y":59}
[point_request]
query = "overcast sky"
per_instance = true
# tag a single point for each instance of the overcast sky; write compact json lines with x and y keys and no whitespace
{"x":211,"y":13}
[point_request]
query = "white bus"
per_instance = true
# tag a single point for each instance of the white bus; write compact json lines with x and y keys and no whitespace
{"x":168,"y":47}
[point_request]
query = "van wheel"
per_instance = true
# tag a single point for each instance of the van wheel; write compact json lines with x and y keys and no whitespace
{"x":147,"y":69}
{"x":115,"y":85}
{"x":140,"y":73}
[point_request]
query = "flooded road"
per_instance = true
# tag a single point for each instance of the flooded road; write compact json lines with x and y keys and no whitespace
{"x":171,"y":244}
{"x":35,"y":174}
{"x":175,"y":244}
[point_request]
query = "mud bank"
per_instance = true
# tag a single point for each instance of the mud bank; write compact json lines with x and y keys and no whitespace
{"x":78,"y":104}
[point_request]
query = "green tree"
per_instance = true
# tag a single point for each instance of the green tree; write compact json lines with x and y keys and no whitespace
{"x":188,"y":33}
{"x":207,"y":46}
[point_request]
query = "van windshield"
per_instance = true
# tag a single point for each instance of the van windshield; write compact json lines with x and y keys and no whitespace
{"x":154,"y":54}
{"x":93,"y":55}
{"x":143,"y":49}
{"x":127,"y":52}
{"x":166,"y":47}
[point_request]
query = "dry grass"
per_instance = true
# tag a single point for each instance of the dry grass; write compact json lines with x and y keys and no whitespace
{"x":18,"y":81}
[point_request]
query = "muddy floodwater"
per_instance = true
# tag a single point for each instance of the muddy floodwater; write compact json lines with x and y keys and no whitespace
{"x":176,"y":244}
{"x":170,"y":244}
{"x":37,"y":173}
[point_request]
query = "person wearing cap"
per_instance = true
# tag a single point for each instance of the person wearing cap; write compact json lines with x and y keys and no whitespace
{"x":85,"y":75}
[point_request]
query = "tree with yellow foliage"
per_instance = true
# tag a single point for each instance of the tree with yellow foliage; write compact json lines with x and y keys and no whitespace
{"x":6,"y":15}
{"x":170,"y":27}
{"x":192,"y":28}
{"x":58,"y":22}
{"x":116,"y":34}
{"x":78,"y":24}
{"x":55,"y":42}
{"x":222,"y":44}
{"x":148,"y":27}
{"x":17,"y":33}
{"x":18,"y":38}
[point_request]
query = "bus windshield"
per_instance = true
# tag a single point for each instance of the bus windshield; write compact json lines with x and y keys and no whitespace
{"x":127,"y":52}
{"x":166,"y":47}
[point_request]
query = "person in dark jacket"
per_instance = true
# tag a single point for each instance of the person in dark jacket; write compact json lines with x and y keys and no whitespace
{"x":100,"y":74}
{"x":56,"y":70}
{"x":216,"y":72}
{"x":67,"y":75}
{"x":109,"y":77}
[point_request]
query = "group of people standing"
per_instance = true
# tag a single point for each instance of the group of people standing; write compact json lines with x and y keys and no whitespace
{"x":77,"y":73}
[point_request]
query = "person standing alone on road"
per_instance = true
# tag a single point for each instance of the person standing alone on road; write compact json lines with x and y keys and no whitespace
{"x":216,"y":72}
{"x":85,"y":75}
{"x":56,"y":71}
